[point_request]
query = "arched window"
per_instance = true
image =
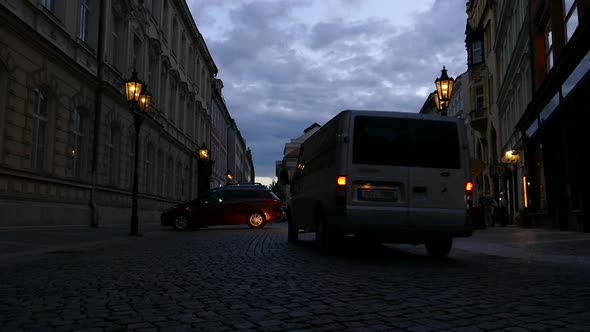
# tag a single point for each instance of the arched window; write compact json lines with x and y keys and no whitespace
{"x":169,"y":185}
{"x":3,"y":103}
{"x":162,"y":178}
{"x":75,"y":151}
{"x":149,"y":169}
{"x":179,"y":179}
{"x":117,"y":41}
{"x":163,"y":86}
{"x":131,"y":160}
{"x":39,"y":131}
{"x":184,"y":182}
{"x":172,"y":96}
{"x":111,"y":162}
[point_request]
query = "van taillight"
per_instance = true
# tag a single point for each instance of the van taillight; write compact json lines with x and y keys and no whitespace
{"x":469,"y":194}
{"x":341,"y":190}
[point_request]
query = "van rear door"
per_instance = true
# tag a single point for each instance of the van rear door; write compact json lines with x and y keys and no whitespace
{"x":436,"y":174}
{"x":378,"y":180}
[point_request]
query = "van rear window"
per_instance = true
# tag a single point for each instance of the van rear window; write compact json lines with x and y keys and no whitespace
{"x":405,"y":142}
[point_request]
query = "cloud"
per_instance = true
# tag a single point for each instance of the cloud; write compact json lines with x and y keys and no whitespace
{"x":288,"y":64}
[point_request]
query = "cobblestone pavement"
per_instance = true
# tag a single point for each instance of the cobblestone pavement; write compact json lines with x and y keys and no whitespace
{"x":235,"y":278}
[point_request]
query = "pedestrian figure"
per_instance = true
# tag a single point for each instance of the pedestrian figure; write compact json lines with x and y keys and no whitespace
{"x":489,"y":204}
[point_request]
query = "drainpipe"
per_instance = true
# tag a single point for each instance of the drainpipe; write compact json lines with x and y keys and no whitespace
{"x":95,"y":217}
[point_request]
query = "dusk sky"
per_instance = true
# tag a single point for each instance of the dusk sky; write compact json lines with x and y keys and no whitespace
{"x":286,"y":64}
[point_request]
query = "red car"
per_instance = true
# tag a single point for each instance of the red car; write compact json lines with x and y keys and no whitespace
{"x":253,"y":205}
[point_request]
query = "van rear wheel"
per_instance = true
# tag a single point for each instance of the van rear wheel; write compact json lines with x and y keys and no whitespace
{"x":439,"y":247}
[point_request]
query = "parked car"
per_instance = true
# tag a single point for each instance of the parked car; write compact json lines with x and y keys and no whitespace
{"x":250,"y":204}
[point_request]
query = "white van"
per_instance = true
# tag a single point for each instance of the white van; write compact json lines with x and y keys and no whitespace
{"x":390,"y":177}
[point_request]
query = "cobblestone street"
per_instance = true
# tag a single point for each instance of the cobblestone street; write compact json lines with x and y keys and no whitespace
{"x":225,"y":278}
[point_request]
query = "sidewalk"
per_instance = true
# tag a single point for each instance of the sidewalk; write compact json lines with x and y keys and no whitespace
{"x":24,"y":241}
{"x":531,"y":244}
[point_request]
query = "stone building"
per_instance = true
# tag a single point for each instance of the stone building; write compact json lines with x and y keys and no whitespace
{"x":553,"y":124}
{"x":528,"y":63}
{"x":66,"y":133}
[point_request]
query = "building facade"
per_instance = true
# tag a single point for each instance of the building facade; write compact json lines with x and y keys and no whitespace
{"x":552,"y":126}
{"x":528,"y":64}
{"x":66,"y":132}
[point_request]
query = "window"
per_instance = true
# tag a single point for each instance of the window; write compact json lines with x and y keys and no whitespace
{"x":476,"y":52}
{"x":84,"y":20}
{"x":438,"y":143}
{"x":548,"y":48}
{"x":137,"y":54}
{"x":56,"y":7}
{"x":181,"y":113}
{"x":172,"y":110}
{"x":165,"y":19}
{"x":49,"y":4}
{"x":111,"y":155}
{"x":174,"y":44}
{"x":75,"y":151}
{"x":198,"y":73}
{"x":3,"y":102}
{"x":131,"y":160}
{"x":202,"y":82}
{"x":571,"y":18}
{"x":149,"y":169}
{"x":179,"y":181}
{"x":479,"y":97}
{"x":168,"y":185}
{"x":162,"y":182}
{"x":163,"y":86}
{"x":191,"y":65}
{"x":152,"y":76}
{"x":39,"y":131}
{"x":183,"y":182}
{"x":156,"y":9}
{"x":183,"y":50}
{"x":116,"y":33}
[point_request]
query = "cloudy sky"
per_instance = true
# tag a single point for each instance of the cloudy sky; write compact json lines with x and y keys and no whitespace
{"x":286,"y":64}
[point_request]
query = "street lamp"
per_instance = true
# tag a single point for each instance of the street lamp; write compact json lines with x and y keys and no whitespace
{"x":229,"y":176}
{"x":444,"y":90}
{"x":205,"y":169}
{"x":203,"y":153}
{"x":139,"y":101}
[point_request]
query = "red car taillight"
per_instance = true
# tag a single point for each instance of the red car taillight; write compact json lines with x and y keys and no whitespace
{"x":272,"y":201}
{"x":341,"y":182}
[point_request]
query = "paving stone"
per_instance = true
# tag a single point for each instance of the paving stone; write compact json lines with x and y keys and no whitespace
{"x":236,"y":279}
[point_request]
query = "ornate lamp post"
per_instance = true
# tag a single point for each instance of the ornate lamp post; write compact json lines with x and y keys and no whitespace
{"x":229,"y":176}
{"x":139,"y":101}
{"x":205,"y":169}
{"x":444,"y":90}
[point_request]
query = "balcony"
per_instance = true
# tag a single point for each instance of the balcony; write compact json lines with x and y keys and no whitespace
{"x":478,"y":120}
